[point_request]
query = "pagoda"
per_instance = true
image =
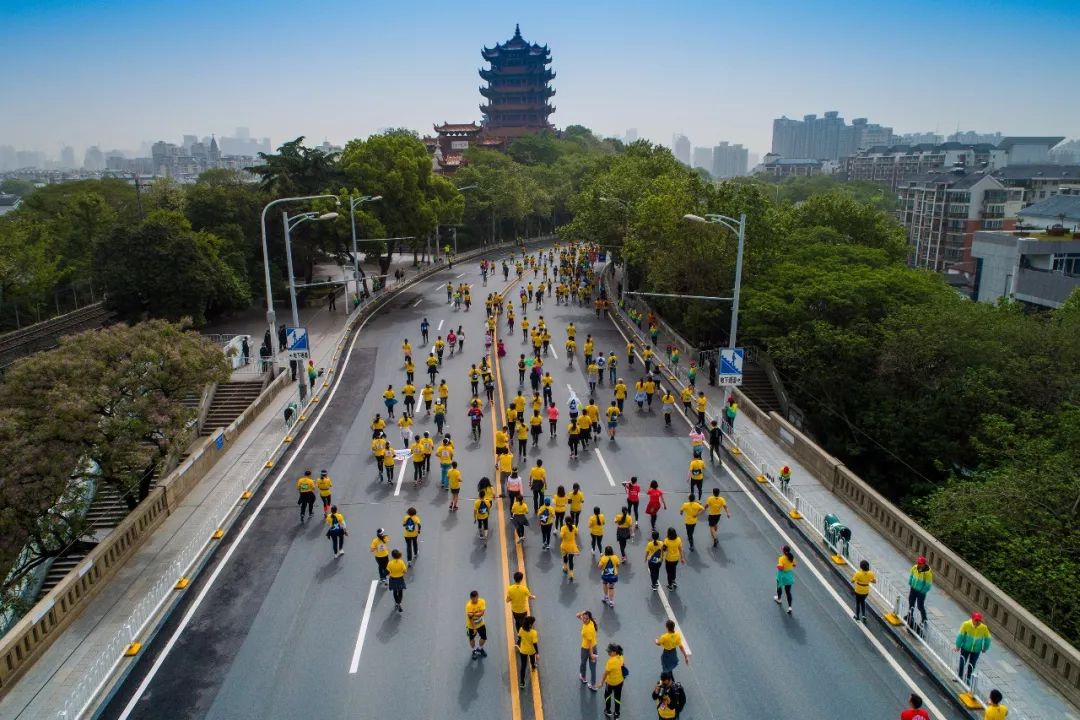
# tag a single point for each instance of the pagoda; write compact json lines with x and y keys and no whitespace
{"x":517,"y":89}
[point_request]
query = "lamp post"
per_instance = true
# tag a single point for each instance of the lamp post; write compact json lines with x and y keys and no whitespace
{"x":738,"y":227}
{"x":353,"y":202}
{"x":290,"y":223}
{"x":271,"y":317}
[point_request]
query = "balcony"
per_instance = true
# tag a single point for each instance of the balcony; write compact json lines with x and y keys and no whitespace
{"x":1043,"y":287}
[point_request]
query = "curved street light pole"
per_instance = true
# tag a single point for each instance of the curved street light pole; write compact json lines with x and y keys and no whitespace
{"x":289,"y":223}
{"x":737,"y":226}
{"x":271,"y":317}
{"x":353,"y":202}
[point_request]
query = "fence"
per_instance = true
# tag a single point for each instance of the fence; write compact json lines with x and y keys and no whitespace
{"x":1048,"y":654}
{"x":32,"y":635}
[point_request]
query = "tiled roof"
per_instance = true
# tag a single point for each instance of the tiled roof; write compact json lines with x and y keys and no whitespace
{"x":1055,"y":206}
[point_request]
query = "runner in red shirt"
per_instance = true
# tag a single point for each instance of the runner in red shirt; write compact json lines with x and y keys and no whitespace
{"x":656,"y":501}
{"x":915,"y":709}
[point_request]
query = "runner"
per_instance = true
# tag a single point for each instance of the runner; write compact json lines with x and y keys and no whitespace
{"x":624,"y":528}
{"x":715,"y":440}
{"x":390,"y":400}
{"x":615,"y":673}
{"x":668,"y":402}
{"x":609,"y":575}
{"x":381,"y":553}
{"x":656,"y":501}
{"x":690,"y":511}
{"x":481,"y":513}
{"x":475,"y":607}
{"x":620,"y":394}
{"x":396,"y":570}
{"x":569,"y":548}
{"x":432,"y":366}
{"x":633,"y":497}
{"x":862,"y":579}
{"x":424,"y":326}
{"x":573,"y":438}
{"x":612,"y":419}
{"x":588,"y":650}
{"x":306,"y":487}
{"x":513,"y":485}
{"x":915,"y":709}
{"x":528,"y":647}
{"x":695,"y":474}
{"x":538,"y":484}
{"x":453,"y":477}
{"x":389,"y":457}
{"x":522,"y":432}
{"x":596,"y":530}
{"x":671,"y":643}
{"x":560,"y":503}
{"x":518,"y":595}
{"x":519,"y":518}
{"x":411,"y":532}
{"x":673,"y":555}
{"x":337,"y":531}
{"x":546,"y":515}
{"x":536,"y":428}
{"x":654,"y":558}
{"x":716,"y":504}
{"x":702,"y":404}
{"x":785,"y":575}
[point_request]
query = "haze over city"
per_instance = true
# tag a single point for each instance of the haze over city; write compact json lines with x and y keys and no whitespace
{"x":98,"y":75}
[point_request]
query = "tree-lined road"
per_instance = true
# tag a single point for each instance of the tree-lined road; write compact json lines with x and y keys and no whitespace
{"x":271,"y":628}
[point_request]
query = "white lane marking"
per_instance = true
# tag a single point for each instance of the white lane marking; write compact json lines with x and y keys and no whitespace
{"x":843,"y":603}
{"x":671,"y":617}
{"x":400,"y":477}
{"x":355,"y":664}
{"x":418,"y":301}
{"x":440,"y":326}
{"x":551,"y":348}
{"x":190,"y":614}
{"x":457,"y":276}
{"x":603,"y":464}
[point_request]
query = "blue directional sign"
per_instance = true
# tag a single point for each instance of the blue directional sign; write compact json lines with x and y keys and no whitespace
{"x":731,"y":366}
{"x":296,"y":342}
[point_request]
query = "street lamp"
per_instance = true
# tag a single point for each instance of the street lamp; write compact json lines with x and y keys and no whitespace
{"x":353,"y":202}
{"x":290,"y":223}
{"x":738,"y":227}
{"x":271,"y":317}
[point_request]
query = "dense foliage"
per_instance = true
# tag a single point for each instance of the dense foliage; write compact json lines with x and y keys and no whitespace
{"x":966,"y":414}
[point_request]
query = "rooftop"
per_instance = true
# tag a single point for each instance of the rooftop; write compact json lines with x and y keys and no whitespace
{"x":1049,"y":142}
{"x":1032,"y":172}
{"x":1065,"y":207}
{"x":955,"y":181}
{"x":457,"y":127}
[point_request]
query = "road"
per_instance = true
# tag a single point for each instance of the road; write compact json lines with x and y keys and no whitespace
{"x":271,"y":628}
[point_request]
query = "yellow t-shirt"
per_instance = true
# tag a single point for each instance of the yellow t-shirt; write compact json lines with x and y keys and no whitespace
{"x":506,"y":462}
{"x":518,"y":597}
{"x":669,"y":640}
{"x":560,"y":502}
{"x":305,"y":484}
{"x":577,"y":500}
{"x":596,"y":524}
{"x":996,"y":712}
{"x":697,"y":469}
{"x":588,"y":636}
{"x":527,"y":641}
{"x":672,"y":549}
{"x":538,"y":473}
{"x":716,"y":504}
{"x":472,"y":608}
{"x":613,"y":560}
{"x":396,"y":568}
{"x":416,"y":529}
{"x":519,"y":507}
{"x":652,"y":547}
{"x":702,"y":402}
{"x":620,"y":391}
{"x":445,"y":454}
{"x":379,"y":546}
{"x":502,"y":439}
{"x":613,"y":670}
{"x":453,"y":478}
{"x":690,"y":511}
{"x":567,"y":540}
{"x":522,"y":431}
{"x":862,"y":579}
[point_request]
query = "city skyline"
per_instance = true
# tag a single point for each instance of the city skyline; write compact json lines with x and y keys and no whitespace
{"x":655,"y":74}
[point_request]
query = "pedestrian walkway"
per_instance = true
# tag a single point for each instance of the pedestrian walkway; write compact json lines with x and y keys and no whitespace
{"x":1026,"y":693}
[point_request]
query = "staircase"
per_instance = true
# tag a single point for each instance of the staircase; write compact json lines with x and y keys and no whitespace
{"x":757,"y":387}
{"x":230,"y":399}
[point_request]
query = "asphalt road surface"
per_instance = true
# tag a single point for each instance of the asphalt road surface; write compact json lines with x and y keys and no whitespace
{"x":288,"y":631}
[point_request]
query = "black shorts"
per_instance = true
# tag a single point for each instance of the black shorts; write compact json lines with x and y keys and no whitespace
{"x":455,"y":491}
{"x":481,"y":631}
{"x":714,"y":520}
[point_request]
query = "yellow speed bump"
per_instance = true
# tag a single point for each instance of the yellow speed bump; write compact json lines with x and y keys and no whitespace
{"x":218,"y":534}
{"x":287,"y":438}
{"x":246,"y":495}
{"x":762,"y":479}
{"x":893,"y":619}
{"x":269,"y":464}
{"x":182,"y":583}
{"x":794,"y":514}
{"x":838,"y":559}
{"x":970,"y":701}
{"x":133,"y":649}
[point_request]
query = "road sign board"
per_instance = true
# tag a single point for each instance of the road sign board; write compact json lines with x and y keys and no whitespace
{"x":731,"y":366}
{"x":296,"y":342}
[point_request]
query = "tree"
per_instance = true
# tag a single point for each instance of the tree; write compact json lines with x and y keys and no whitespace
{"x":298,"y":170}
{"x":164,"y":193}
{"x":164,"y":269}
{"x":16,"y":186}
{"x":27,"y":266}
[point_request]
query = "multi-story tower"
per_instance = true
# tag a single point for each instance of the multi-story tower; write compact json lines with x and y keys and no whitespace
{"x":517,"y":89}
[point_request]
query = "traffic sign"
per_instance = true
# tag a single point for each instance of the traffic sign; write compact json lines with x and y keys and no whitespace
{"x":296,"y":342}
{"x":731,"y":366}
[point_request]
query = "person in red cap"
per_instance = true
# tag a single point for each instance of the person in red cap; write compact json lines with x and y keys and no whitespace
{"x":920,"y":581}
{"x":972,"y":641}
{"x":915,"y":709}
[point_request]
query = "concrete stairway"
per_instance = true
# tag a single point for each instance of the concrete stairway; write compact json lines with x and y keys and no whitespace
{"x":757,"y":387}
{"x":230,"y":399}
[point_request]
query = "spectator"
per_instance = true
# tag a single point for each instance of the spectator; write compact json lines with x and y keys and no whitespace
{"x":971,"y":642}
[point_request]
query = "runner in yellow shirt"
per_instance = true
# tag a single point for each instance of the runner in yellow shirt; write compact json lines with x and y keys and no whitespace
{"x":716,"y":505}
{"x":474,"y":623}
{"x":690,"y":511}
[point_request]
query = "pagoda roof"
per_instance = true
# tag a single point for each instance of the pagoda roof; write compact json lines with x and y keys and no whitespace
{"x":491,"y":141}
{"x":457,"y":127}
{"x":515,"y":45}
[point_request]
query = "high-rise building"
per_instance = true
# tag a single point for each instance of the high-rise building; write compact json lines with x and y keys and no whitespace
{"x":970,"y":137}
{"x":29,"y":159}
{"x":518,"y":87}
{"x":825,"y":138}
{"x":67,"y":157}
{"x":7,"y":158}
{"x":94,"y":159}
{"x":680,"y":145}
{"x":242,"y":133}
{"x":631,"y":135}
{"x":919,"y":138}
{"x":189,"y":140}
{"x":729,"y":160}
{"x":703,"y":158}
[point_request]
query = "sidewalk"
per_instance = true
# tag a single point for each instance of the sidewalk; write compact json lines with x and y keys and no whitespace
{"x":1027,"y":695}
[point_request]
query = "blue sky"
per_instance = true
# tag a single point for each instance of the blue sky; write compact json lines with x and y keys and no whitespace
{"x":120,"y":72}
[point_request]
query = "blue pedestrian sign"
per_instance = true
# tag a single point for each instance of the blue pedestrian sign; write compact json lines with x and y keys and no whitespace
{"x":731,"y":366}
{"x":296,"y":342}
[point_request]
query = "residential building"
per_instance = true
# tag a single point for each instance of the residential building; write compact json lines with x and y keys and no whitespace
{"x":29,"y":159}
{"x":1058,"y":210}
{"x":1028,"y":150}
{"x":970,"y":137}
{"x":703,"y":158}
{"x":7,"y":158}
{"x":825,"y":138}
{"x":729,"y":160}
{"x":1040,"y":181}
{"x":942,"y":212}
{"x":919,"y":138}
{"x":1041,"y":273}
{"x":899,"y":163}
{"x":681,"y":147}
{"x":94,"y":159}
{"x":67,"y":157}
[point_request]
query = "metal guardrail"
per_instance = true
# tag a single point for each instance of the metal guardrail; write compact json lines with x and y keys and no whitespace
{"x":935,"y":643}
{"x":125,"y":642}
